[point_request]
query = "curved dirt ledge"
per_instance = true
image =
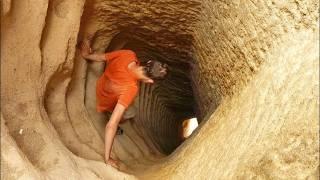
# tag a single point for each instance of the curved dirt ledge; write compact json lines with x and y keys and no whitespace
{"x":248,"y":70}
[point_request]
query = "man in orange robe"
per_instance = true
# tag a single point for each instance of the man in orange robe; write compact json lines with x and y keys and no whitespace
{"x":117,"y":87}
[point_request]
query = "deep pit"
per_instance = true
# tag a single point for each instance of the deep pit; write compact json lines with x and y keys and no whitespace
{"x":162,"y":106}
{"x":248,"y":70}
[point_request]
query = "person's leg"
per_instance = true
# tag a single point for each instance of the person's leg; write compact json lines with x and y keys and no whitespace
{"x":110,"y":132}
{"x":119,"y":130}
{"x":130,"y":112}
{"x":128,"y":115}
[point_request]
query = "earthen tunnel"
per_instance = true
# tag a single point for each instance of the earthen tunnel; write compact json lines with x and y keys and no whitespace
{"x":247,"y":70}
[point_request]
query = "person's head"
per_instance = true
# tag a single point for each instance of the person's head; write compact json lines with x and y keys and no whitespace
{"x":155,"y":69}
{"x":149,"y":71}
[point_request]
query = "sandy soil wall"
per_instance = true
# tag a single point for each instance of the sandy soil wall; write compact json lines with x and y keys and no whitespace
{"x":249,"y":70}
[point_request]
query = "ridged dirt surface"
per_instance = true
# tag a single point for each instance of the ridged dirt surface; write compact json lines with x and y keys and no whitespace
{"x":249,"y":70}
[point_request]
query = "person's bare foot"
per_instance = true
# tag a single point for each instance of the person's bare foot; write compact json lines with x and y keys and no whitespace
{"x":119,"y":131}
{"x":113,"y":163}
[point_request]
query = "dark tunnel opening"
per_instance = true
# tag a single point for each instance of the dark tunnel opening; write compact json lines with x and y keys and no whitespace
{"x":163,"y":106}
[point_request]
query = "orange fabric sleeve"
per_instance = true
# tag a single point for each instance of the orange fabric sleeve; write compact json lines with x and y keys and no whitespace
{"x":128,"y":96}
{"x":112,"y":55}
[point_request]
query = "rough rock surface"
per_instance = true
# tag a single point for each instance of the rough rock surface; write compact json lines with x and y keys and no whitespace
{"x":249,"y":70}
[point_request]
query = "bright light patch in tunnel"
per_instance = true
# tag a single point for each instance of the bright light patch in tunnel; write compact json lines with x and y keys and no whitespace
{"x":189,"y":126}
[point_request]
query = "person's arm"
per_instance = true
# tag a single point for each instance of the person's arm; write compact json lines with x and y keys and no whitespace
{"x":110,"y":131}
{"x":86,"y":52}
{"x":139,"y":72}
{"x":95,"y":57}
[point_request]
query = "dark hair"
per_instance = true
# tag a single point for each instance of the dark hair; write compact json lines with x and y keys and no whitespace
{"x":153,"y":69}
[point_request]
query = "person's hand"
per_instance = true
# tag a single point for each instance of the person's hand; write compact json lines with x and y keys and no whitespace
{"x":112,"y":162}
{"x":85,"y":48}
{"x":150,"y":81}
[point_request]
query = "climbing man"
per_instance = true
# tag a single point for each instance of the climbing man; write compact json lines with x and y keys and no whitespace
{"x":118,"y":86}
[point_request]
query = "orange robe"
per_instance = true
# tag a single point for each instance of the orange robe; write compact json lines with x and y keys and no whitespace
{"x":117,"y":84}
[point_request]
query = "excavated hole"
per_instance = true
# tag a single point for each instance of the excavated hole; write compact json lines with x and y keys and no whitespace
{"x":231,"y":40}
{"x":162,"y":107}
